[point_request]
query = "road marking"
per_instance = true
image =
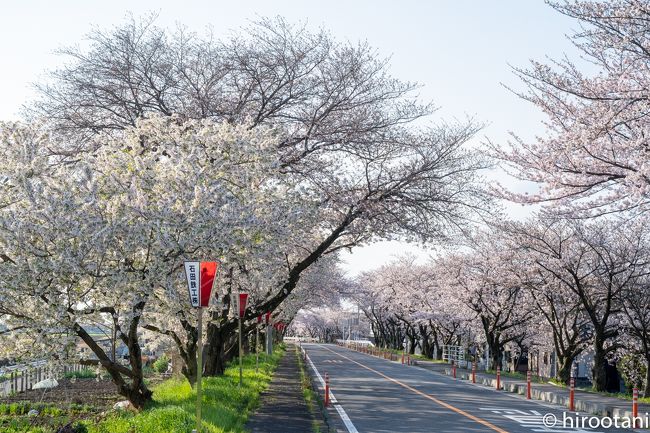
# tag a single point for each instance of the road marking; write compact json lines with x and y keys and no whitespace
{"x":410,"y":388}
{"x":344,"y":416}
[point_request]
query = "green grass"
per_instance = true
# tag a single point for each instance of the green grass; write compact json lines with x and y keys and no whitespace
{"x":519,"y":376}
{"x":619,"y":395}
{"x":311,"y":398}
{"x":14,"y":419}
{"x":225,"y":405}
{"x":414,"y":356}
{"x":85,"y":373}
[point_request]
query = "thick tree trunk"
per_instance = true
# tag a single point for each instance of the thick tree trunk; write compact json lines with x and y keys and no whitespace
{"x":215,"y":355}
{"x":189,"y":368}
{"x":135,"y":390}
{"x":564,"y":368}
{"x":221,"y":347}
{"x":600,"y":360}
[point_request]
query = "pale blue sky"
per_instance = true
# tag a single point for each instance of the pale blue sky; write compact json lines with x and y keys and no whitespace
{"x":459,"y":50}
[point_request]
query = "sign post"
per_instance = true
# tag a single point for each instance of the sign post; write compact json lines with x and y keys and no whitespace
{"x":269,"y":334}
{"x":200,"y":279}
{"x":242,"y":309}
{"x":199,"y":368}
{"x":257,"y":343}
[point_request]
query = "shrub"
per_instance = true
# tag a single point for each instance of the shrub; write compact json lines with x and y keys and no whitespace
{"x":161,"y":364}
{"x":85,"y":373}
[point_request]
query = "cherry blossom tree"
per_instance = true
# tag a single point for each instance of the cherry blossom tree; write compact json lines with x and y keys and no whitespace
{"x":485,"y":279}
{"x":344,"y":140}
{"x":544,"y":247}
{"x":635,"y":305}
{"x":593,"y":160}
{"x":100,"y":237}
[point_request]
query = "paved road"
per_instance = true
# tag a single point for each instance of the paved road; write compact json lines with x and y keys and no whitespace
{"x":378,"y":396}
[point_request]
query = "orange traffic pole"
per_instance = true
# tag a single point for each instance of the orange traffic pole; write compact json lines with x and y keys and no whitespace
{"x":635,"y":406}
{"x":498,"y":377}
{"x":528,"y":384}
{"x":474,"y":372}
{"x":327,"y":390}
{"x":408,"y":359}
{"x":572,"y":394}
{"x":453,"y":369}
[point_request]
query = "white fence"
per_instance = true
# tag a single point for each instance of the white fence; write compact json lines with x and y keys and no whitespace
{"x":20,"y":378}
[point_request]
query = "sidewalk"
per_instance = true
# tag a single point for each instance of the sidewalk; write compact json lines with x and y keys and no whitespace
{"x":585,"y":402}
{"x":283,"y":408}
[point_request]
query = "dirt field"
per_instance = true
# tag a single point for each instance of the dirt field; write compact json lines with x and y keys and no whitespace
{"x":101,"y":395}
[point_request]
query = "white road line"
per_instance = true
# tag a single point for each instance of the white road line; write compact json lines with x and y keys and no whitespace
{"x":344,"y":416}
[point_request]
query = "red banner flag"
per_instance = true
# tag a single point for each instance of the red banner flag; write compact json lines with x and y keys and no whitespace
{"x":268,"y":318}
{"x":242,"y":303}
{"x":259,"y":319}
{"x":208,"y":272}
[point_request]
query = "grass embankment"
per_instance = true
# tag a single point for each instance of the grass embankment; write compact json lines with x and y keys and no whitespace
{"x":311,"y":398}
{"x":415,"y":356}
{"x":225,"y":407}
{"x":518,"y":376}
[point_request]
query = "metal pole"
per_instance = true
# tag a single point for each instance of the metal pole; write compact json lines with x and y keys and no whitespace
{"x":199,"y":369}
{"x":269,"y":339}
{"x":240,"y":353}
{"x":257,"y":347}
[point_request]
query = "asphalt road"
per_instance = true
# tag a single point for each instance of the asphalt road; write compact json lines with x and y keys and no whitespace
{"x":374,"y":395}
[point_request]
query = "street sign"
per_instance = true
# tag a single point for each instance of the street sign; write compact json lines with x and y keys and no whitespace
{"x":193,"y":281}
{"x":200,"y":279}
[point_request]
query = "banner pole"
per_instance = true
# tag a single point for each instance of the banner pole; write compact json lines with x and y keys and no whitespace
{"x":240,"y":353}
{"x":257,"y":347}
{"x":199,"y":369}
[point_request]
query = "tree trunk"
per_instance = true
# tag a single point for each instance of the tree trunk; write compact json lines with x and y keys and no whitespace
{"x":217,"y":351}
{"x":189,"y":368}
{"x":215,"y":355}
{"x":138,"y":396}
{"x":646,"y":387}
{"x":564,"y":368}
{"x":599,"y":371}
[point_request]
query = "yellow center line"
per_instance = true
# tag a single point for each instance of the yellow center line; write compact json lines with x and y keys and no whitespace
{"x":410,"y":388}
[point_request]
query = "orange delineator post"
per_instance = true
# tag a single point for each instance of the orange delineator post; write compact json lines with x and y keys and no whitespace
{"x":402,"y":358}
{"x":474,"y":372}
{"x":528,"y":384}
{"x":408,"y":359}
{"x":498,"y":377}
{"x":572,"y":394}
{"x":327,"y":390}
{"x":453,"y":370}
{"x":635,"y":406}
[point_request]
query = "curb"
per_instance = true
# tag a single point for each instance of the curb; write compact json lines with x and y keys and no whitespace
{"x":537,"y":394}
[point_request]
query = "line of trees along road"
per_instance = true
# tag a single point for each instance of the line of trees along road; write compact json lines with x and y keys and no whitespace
{"x":574,"y":275}
{"x":273,"y":150}
{"x":270,"y":151}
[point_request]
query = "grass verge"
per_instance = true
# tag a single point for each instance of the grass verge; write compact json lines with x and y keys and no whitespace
{"x":310,"y":396}
{"x":225,"y":406}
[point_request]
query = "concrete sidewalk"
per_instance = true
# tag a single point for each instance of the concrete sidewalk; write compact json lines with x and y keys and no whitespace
{"x":586,"y":402}
{"x":283,"y":408}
